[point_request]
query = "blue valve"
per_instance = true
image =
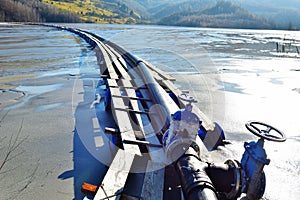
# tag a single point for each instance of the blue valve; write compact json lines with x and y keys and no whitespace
{"x":255,"y":158}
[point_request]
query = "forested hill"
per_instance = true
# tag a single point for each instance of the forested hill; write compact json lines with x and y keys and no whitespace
{"x":91,"y":11}
{"x":33,"y":11}
{"x":222,"y":15}
{"x":197,"y":13}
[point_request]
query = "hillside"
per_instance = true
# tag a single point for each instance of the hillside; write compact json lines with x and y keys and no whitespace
{"x":222,"y":15}
{"x":93,"y":11}
{"x":33,"y":11}
{"x":97,"y":11}
{"x":197,"y":13}
{"x":286,"y":13}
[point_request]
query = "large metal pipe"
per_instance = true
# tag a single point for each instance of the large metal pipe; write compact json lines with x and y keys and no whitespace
{"x":163,"y":108}
{"x":154,"y":88}
{"x":226,"y":178}
{"x":208,"y":181}
{"x":195,"y":183}
{"x":146,"y":75}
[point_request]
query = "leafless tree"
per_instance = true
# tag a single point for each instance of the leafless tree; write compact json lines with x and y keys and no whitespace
{"x":9,"y":152}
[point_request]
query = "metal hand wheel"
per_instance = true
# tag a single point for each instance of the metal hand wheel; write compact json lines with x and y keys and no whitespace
{"x":265,"y":131}
{"x":187,"y":98}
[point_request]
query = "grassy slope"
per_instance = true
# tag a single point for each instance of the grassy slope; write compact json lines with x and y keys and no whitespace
{"x":89,"y":12}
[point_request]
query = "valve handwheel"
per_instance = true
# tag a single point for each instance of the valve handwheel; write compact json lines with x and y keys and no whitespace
{"x":265,"y":131}
{"x":187,"y":98}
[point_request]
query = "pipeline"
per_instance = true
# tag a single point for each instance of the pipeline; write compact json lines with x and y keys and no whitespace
{"x":153,"y":86}
{"x":195,"y":183}
{"x":226,"y":178}
{"x":155,"y":92}
{"x":199,"y":180}
{"x":208,"y":181}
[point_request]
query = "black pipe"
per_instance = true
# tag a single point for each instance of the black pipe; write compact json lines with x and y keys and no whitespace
{"x":226,"y":178}
{"x":155,"y":92}
{"x":195,"y":183}
{"x":222,"y":176}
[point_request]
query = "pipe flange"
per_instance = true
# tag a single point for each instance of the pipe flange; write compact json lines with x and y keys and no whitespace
{"x":237,"y":185}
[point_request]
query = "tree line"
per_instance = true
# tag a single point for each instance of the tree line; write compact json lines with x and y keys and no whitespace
{"x":33,"y":11}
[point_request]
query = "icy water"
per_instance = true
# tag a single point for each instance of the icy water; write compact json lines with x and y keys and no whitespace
{"x":236,"y":76}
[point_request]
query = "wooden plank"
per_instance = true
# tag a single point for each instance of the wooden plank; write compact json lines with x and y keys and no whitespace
{"x":124,"y":87}
{"x":118,"y":65}
{"x":133,"y":98}
{"x":112,"y":53}
{"x":133,"y":101}
{"x":113,"y":83}
{"x":127,"y":83}
{"x":104,"y":76}
{"x":123,"y":121}
{"x":162,"y":74}
{"x":157,"y":78}
{"x":101,"y":61}
{"x":115,"y":178}
{"x":136,"y":78}
{"x":123,"y":62}
{"x":111,"y":130}
{"x":146,"y":122}
{"x":123,"y":72}
{"x":156,"y":155}
{"x":131,"y":110}
{"x":144,"y":143}
{"x":153,"y":186}
{"x":108,"y":61}
{"x":119,"y":57}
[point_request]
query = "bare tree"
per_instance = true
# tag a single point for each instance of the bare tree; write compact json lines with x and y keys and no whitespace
{"x":10,"y":151}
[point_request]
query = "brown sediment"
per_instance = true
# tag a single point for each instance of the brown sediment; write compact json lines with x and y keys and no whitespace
{"x":7,"y":79}
{"x":7,"y":86}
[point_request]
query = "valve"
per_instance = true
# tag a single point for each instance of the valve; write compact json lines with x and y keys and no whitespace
{"x":255,"y":158}
{"x":184,"y":126}
{"x":203,"y":180}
